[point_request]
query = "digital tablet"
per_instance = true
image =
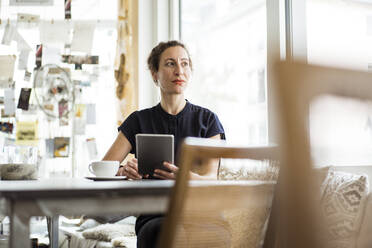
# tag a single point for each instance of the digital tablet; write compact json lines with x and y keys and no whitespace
{"x":152,"y":150}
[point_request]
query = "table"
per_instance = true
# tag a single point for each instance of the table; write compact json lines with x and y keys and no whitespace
{"x":73,"y":196}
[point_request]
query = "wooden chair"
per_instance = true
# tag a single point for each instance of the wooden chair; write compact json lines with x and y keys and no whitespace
{"x":297,"y":86}
{"x":293,"y":220}
{"x":195,"y":214}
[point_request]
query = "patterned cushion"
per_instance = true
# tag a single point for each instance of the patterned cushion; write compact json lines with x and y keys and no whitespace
{"x":246,"y":169}
{"x":342,"y":207}
{"x":107,"y":232}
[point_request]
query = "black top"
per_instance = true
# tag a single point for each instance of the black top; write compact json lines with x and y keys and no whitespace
{"x":192,"y":121}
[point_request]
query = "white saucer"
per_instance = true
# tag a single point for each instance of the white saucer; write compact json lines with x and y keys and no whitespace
{"x":95,"y":178}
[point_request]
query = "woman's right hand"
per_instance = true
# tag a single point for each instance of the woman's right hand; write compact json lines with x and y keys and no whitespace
{"x":130,"y":170}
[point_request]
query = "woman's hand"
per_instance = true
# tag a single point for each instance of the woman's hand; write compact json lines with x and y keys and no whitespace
{"x":130,"y":170}
{"x":172,"y":173}
{"x":163,"y":174}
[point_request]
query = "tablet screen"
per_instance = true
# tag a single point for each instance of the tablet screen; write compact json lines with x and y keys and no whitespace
{"x":152,"y":150}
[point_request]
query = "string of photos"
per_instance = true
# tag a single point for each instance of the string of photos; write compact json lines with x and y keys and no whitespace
{"x":50,"y":85}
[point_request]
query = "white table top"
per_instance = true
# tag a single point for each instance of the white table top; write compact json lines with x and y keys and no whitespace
{"x":71,"y":186}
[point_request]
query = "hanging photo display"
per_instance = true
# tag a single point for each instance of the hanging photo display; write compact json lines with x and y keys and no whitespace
{"x":76,"y":59}
{"x":27,"y":76}
{"x":38,"y":56}
{"x":92,"y":148}
{"x":79,"y":60}
{"x":6,"y":127}
{"x":48,"y":106}
{"x":94,"y":75}
{"x":49,"y":148}
{"x":3,"y":115}
{"x":22,"y":45}
{"x":27,"y":18}
{"x":61,"y":146}
{"x":6,"y":70}
{"x":26,"y":132}
{"x":32,"y":110}
{"x":54,"y":92}
{"x":82,"y":39}
{"x":80,"y":119}
{"x":78,"y":67}
{"x":59,"y":46}
{"x":55,"y":33}
{"x":8,"y":34}
{"x":91,"y":113}
{"x":63,"y":112}
{"x":51,"y":55}
{"x":62,"y":108}
{"x":67,"y":9}
{"x":9,"y":102}
{"x":67,"y":48}
{"x":23,"y":60}
{"x":24,"y":97}
{"x":82,"y":83}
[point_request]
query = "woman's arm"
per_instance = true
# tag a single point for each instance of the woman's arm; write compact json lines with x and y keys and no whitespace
{"x":119,"y":149}
{"x":209,"y":172}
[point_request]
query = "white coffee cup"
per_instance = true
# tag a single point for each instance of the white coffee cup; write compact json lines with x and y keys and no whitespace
{"x":104,"y":168}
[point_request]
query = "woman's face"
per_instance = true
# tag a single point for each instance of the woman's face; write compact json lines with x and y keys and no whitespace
{"x":174,"y":70}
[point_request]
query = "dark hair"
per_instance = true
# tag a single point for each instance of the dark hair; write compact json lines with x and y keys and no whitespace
{"x":154,"y":58}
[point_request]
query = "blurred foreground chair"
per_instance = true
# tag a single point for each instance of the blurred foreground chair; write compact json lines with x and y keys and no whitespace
{"x":296,"y":87}
{"x":295,"y":221}
{"x":197,"y":215}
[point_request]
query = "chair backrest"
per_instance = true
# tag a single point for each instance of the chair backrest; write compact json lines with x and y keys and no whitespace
{"x":297,"y":85}
{"x":199,"y":211}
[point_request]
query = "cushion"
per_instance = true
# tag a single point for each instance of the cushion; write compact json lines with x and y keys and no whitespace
{"x":88,"y":223}
{"x":247,"y":169}
{"x":342,"y":207}
{"x":365,"y":234}
{"x":129,"y":242}
{"x":107,"y":232}
{"x":106,"y":218}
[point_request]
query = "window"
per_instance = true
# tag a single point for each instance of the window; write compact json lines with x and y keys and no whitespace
{"x":341,"y":131}
{"x":340,"y":128}
{"x":227,"y":42}
{"x":342,"y":39}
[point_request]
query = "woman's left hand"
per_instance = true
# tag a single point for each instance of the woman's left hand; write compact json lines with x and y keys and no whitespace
{"x":170,"y":174}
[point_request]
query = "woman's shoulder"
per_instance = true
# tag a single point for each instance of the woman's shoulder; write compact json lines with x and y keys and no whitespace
{"x":138,"y":116}
{"x":199,"y":109}
{"x":143,"y":112}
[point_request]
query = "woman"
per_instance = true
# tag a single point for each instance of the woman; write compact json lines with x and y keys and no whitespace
{"x":171,"y":68}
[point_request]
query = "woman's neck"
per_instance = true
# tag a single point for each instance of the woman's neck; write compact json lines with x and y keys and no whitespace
{"x":173,"y":104}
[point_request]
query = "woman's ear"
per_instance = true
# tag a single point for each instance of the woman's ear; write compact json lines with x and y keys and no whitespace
{"x":154,"y":77}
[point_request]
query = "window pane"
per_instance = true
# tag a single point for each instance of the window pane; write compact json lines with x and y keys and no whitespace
{"x":343,"y":38}
{"x":227,"y":42}
{"x":340,"y":128}
{"x":341,"y":131}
